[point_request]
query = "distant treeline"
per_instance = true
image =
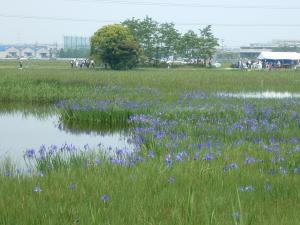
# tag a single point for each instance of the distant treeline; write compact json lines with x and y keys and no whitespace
{"x":74,"y":53}
{"x":162,"y":40}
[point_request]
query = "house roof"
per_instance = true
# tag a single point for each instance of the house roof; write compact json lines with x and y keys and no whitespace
{"x":28,"y":49}
{"x":279,"y":56}
{"x":2,"y":48}
{"x":22,"y":47}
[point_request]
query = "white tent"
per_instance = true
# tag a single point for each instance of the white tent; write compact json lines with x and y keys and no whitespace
{"x":279,"y":56}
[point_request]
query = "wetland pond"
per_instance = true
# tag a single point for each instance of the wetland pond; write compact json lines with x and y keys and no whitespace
{"x":20,"y":131}
{"x":259,"y":95}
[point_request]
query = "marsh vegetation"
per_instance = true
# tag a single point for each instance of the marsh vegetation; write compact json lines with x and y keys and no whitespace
{"x":198,"y":158}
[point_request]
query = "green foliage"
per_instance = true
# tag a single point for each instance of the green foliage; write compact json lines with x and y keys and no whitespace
{"x":115,"y":45}
{"x":156,"y":40}
{"x":169,"y":39}
{"x":207,"y":43}
{"x":145,"y":32}
{"x":163,"y":40}
{"x":188,"y":44}
{"x":51,"y":81}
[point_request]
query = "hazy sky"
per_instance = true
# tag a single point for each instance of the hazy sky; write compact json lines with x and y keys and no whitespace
{"x":185,"y":14}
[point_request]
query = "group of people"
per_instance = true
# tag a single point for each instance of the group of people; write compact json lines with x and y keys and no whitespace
{"x":258,"y":65}
{"x":81,"y":63}
{"x":250,"y":65}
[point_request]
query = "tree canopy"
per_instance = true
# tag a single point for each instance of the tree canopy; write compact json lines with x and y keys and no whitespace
{"x":163,"y":40}
{"x":121,"y":46}
{"x":208,"y":43}
{"x":115,"y":45}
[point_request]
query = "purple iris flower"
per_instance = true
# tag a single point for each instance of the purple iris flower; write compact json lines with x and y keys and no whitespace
{"x":250,"y":160}
{"x":230,"y":166}
{"x":72,"y":186}
{"x":171,"y":180}
{"x":150,"y":154}
{"x":207,"y":157}
{"x":30,"y":153}
{"x":104,"y":198}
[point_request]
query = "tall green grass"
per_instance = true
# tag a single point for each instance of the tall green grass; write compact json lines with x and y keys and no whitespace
{"x":197,"y":193}
{"x":180,"y":113}
{"x":49,"y":85}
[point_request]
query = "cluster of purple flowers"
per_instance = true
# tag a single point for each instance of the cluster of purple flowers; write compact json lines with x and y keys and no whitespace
{"x":42,"y":153}
{"x":248,"y":124}
{"x":190,"y":136}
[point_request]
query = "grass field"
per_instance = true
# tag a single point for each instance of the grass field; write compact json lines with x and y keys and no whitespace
{"x":200,"y":158}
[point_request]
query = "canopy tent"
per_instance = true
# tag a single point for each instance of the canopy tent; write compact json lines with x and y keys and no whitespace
{"x":294,"y":56}
{"x":286,"y":59}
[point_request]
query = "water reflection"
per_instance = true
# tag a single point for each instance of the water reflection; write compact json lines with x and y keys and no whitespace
{"x":260,"y":95}
{"x":20,"y":131}
{"x":38,"y":110}
{"x":88,"y":127}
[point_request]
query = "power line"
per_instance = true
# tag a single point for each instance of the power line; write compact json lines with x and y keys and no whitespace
{"x":274,"y":25}
{"x":239,"y":25}
{"x":190,"y":5}
{"x":56,"y":18}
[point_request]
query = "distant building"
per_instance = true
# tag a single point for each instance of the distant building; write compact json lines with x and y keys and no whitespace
{"x":9,"y":52}
{"x":27,"y":51}
{"x":43,"y":53}
{"x":75,"y":42}
{"x":286,"y":43}
{"x":253,"y":50}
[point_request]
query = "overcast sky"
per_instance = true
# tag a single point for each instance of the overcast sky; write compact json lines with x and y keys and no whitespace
{"x":223,"y":14}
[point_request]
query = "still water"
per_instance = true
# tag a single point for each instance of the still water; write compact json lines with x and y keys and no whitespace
{"x":260,"y":95}
{"x":19,"y":131}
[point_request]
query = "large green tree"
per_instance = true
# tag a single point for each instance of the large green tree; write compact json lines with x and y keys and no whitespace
{"x":146,"y":33}
{"x":169,"y":39}
{"x":163,"y":40}
{"x":207,"y":44}
{"x":188,"y":45}
{"x":115,"y":45}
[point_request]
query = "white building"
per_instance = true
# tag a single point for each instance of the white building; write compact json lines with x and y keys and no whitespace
{"x":10,"y":52}
{"x":27,"y":53}
{"x":42,"y":53}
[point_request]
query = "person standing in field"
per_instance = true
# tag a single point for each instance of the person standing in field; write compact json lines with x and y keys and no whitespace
{"x":72,"y":63}
{"x":87,"y":63}
{"x":270,"y":66}
{"x":92,"y":63}
{"x":20,"y":65}
{"x":278,"y":64}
